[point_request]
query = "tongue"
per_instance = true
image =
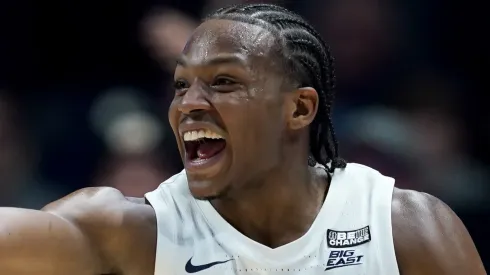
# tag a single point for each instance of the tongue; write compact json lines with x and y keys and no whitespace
{"x":210,"y":147}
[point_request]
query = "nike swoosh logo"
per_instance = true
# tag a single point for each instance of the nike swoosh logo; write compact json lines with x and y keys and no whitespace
{"x":190,"y":268}
{"x":329,"y":268}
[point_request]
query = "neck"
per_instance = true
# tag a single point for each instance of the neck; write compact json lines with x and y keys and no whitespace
{"x":280,"y":207}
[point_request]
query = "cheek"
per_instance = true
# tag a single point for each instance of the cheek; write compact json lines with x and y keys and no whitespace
{"x":254,"y":125}
{"x":269,"y":124}
{"x":234,"y":110}
{"x":173,"y":115}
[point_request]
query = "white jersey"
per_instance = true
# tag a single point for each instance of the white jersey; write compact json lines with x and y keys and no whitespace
{"x":352,"y":234}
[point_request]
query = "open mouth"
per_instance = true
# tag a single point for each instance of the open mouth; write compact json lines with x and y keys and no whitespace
{"x":202,"y":145}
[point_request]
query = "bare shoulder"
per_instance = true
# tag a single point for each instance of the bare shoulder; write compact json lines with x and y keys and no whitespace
{"x":430,"y":238}
{"x":123,"y":229}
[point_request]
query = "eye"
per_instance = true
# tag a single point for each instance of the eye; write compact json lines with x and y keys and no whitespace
{"x":179,"y":85}
{"x":223,"y":81}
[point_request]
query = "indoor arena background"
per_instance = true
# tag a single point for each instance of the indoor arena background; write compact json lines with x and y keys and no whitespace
{"x":85,"y":87}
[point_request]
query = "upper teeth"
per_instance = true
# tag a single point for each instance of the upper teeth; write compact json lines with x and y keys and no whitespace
{"x":198,"y":134}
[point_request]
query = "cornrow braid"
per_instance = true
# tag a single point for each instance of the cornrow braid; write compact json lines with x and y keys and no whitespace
{"x":309,"y":57}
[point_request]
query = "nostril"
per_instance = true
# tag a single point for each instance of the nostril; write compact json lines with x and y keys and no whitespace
{"x":196,"y":114}
{"x":197,"y":111}
{"x":191,"y":110}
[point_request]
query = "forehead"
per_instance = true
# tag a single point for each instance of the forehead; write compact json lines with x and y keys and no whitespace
{"x":217,"y":37}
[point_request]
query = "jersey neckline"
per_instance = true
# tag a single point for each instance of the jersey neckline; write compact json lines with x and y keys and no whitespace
{"x":237,"y":243}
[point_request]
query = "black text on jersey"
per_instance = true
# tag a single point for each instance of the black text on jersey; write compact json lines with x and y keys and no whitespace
{"x":342,"y":258}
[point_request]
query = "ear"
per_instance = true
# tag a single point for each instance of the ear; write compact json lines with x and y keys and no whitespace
{"x":302,"y":107}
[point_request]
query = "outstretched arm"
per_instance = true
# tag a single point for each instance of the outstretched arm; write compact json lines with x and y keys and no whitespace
{"x":37,"y":242}
{"x":429,"y":237}
{"x":91,"y":231}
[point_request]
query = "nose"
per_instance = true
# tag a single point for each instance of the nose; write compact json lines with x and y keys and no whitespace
{"x":194,"y":100}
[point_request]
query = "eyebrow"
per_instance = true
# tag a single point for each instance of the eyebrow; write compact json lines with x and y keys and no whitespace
{"x":216,"y":60}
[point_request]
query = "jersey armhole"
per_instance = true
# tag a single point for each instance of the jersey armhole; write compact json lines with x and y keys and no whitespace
{"x":388,"y":259}
{"x":156,"y":199}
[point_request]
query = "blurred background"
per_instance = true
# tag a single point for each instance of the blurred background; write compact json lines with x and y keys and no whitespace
{"x":85,"y":87}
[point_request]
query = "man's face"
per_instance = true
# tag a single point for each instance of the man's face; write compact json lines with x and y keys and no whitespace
{"x":228,"y":114}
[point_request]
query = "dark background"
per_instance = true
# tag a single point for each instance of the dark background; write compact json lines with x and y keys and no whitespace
{"x":84,"y":90}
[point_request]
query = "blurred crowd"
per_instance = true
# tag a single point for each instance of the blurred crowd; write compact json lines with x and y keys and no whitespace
{"x":85,"y":88}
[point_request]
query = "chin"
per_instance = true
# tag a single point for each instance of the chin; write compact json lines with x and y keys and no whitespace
{"x":206,"y":189}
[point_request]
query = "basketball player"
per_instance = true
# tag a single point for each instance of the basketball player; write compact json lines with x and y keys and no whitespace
{"x":263,"y":191}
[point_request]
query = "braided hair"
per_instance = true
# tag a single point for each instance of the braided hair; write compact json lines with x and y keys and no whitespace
{"x":308,"y":56}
